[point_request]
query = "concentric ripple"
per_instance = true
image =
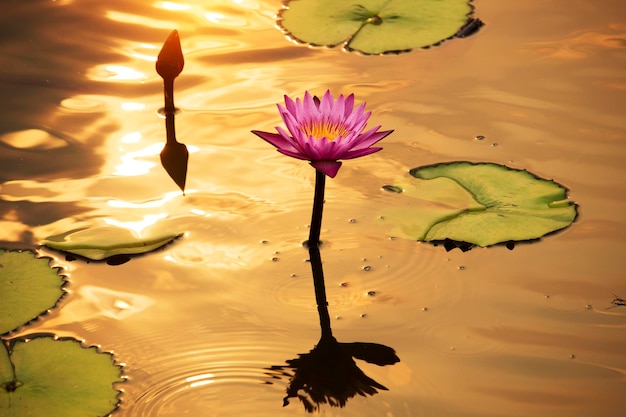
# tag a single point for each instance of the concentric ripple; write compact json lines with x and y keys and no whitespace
{"x":203,"y":377}
{"x":223,"y":384}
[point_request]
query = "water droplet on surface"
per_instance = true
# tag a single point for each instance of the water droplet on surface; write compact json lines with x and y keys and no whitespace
{"x":367,"y":268}
{"x":392,"y":238}
{"x":572,"y":356}
{"x":274,"y":259}
{"x":479,"y":137}
{"x":292,"y":275}
{"x":363,"y":259}
{"x":363,"y":315}
{"x":461,"y":268}
{"x":263,"y":242}
{"x":352,"y":221}
{"x":338,"y":317}
{"x":375,"y":20}
{"x":344,"y":284}
{"x":371,"y":293}
{"x":589,"y":307}
{"x":494,"y":145}
{"x":424,"y":308}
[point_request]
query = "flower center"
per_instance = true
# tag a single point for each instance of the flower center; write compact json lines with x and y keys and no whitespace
{"x":325,"y":129}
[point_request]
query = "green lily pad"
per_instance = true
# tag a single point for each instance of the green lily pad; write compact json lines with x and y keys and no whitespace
{"x":375,"y":26}
{"x":28,"y":286}
{"x":45,"y":376}
{"x":478,"y":203}
{"x":99,"y":243}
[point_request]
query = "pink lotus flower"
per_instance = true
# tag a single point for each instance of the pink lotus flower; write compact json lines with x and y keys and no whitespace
{"x":323,"y":132}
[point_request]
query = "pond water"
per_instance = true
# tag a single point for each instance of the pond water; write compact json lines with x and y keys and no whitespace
{"x":199,"y":324}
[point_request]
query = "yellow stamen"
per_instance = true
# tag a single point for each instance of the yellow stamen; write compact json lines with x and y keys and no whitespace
{"x":323,"y":128}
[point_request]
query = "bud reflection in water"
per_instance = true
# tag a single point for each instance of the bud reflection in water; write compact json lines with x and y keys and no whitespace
{"x":169,"y":65}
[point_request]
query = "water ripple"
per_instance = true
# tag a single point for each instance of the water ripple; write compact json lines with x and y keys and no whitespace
{"x":360,"y":280}
{"x":206,"y":379}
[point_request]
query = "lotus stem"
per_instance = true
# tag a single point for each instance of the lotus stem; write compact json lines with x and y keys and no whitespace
{"x":168,"y":87}
{"x":318,"y":208}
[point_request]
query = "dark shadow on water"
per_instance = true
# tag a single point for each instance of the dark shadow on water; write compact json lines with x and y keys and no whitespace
{"x":32,"y":214}
{"x":450,"y":244}
{"x":328,"y":373}
{"x":617,"y":302}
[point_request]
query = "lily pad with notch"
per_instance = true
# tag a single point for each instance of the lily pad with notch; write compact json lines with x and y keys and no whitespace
{"x":29,"y":287}
{"x":42,"y":375}
{"x":102,"y":242}
{"x":479,"y":204}
{"x":377,"y":26}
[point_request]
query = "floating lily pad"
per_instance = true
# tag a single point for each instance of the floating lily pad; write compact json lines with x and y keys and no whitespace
{"x":482,"y":204}
{"x":375,"y":26}
{"x":28,"y":288}
{"x":44,"y":376}
{"x":99,"y":243}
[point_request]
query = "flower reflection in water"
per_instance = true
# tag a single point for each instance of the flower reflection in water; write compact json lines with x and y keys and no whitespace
{"x":328,"y":374}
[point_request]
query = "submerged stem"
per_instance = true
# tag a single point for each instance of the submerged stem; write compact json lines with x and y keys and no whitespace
{"x":318,"y":208}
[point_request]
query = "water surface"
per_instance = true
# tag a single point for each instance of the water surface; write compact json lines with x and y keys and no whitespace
{"x":489,"y":332}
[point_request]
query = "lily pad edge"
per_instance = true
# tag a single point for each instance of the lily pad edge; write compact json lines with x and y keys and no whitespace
{"x":413,"y":170}
{"x":74,"y":253}
{"x":59,"y":271}
{"x":346,"y":48}
{"x":123,"y":377}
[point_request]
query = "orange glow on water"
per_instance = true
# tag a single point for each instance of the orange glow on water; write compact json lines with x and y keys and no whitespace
{"x":137,"y":226}
{"x":132,"y":165}
{"x":174,"y":6}
{"x":531,"y":331}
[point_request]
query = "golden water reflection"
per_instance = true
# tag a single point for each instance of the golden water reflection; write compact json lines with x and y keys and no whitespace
{"x":485,"y":333}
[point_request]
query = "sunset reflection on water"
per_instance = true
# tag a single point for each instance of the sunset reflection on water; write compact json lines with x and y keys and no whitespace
{"x":489,"y":332}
